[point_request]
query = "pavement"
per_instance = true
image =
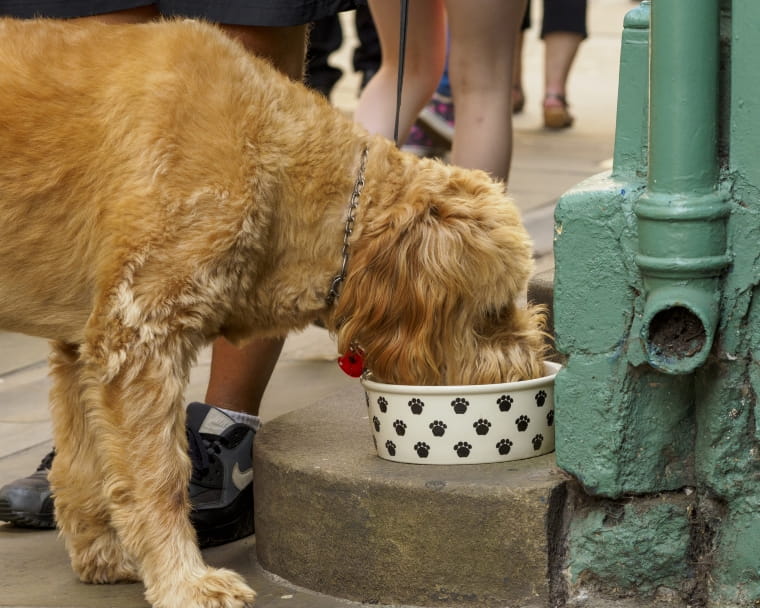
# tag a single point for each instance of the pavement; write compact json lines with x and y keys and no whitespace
{"x":34,"y":569}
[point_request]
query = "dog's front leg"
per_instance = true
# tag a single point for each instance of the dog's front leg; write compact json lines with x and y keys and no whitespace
{"x":135,"y":413}
{"x":81,"y":509}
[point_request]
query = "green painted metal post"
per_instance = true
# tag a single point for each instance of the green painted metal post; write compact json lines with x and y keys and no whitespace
{"x":631,"y":137}
{"x":727,"y":407}
{"x":682,"y":216}
{"x":621,"y":426}
{"x":657,"y":307}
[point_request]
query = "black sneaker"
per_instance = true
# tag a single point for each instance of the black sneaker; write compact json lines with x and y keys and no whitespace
{"x":221,"y":487}
{"x":27,"y":502}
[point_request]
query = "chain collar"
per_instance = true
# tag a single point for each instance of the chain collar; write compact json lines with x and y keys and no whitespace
{"x":352,"y":205}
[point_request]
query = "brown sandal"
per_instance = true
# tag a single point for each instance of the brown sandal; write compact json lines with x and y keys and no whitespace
{"x":557,"y":117}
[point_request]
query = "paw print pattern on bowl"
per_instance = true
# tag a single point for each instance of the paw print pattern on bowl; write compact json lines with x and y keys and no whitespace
{"x":462,"y":424}
{"x":522,"y":423}
{"x":422,"y":449}
{"x":537,"y":441}
{"x":462,"y":448}
{"x":505,"y":403}
{"x":438,"y":427}
{"x":460,"y":405}
{"x":481,"y":426}
{"x":416,"y":405}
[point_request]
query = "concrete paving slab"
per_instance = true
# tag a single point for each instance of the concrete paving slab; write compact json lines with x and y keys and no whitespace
{"x":35,"y":570}
{"x":19,"y":437}
{"x":24,"y":416}
{"x":43,"y":578}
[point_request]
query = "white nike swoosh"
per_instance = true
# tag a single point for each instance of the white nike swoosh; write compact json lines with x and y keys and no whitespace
{"x":241,"y":478}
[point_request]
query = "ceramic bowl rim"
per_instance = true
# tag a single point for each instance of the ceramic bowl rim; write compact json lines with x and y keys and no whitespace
{"x":476,"y":389}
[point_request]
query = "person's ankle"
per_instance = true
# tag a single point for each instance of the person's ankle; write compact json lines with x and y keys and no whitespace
{"x":554,"y":99}
{"x":244,"y":418}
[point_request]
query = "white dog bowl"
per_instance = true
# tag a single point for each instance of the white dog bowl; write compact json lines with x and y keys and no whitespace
{"x":466,"y":424}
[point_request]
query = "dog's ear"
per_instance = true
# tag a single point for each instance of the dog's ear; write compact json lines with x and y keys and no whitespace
{"x":428,"y":266}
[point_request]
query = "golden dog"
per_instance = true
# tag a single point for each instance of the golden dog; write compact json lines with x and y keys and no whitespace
{"x":160,"y":187}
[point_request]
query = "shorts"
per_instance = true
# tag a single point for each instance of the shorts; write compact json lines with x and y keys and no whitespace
{"x":271,"y":13}
{"x":559,"y":16}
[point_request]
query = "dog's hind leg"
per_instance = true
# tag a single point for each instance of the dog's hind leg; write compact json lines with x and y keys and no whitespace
{"x":135,"y":412}
{"x":77,"y":479}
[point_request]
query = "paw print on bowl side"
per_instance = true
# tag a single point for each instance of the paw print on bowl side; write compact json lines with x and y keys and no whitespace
{"x":550,"y":417}
{"x":460,"y":405}
{"x":482,"y":426}
{"x":416,"y":405}
{"x":382,"y":403}
{"x":504,"y":446}
{"x":540,"y":398}
{"x":522,"y":423}
{"x":537,"y":441}
{"x":438,"y":427}
{"x":422,"y":449}
{"x":463,"y":449}
{"x":400,"y":427}
{"x":391,"y":447}
{"x":376,"y":423}
{"x":505,"y":403}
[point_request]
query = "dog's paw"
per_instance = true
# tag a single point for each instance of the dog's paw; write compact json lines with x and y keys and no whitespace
{"x":104,"y":561}
{"x":100,"y":573}
{"x":215,"y":588}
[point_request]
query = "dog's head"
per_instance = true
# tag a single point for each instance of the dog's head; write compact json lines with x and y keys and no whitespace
{"x":437,"y":260}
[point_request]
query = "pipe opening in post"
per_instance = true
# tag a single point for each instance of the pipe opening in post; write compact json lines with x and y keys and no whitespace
{"x":676,"y":333}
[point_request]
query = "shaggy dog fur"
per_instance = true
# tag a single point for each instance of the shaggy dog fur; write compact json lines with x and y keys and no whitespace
{"x":160,"y":187}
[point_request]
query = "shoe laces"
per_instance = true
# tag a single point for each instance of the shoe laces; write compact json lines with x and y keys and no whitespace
{"x":202,"y":449}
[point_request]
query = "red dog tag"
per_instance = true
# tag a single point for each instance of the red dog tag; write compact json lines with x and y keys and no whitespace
{"x":352,"y":363}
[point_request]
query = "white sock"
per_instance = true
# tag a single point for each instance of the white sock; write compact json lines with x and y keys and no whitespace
{"x":253,"y":421}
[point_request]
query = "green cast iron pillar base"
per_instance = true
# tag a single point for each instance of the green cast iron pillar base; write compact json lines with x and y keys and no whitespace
{"x":667,"y":456}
